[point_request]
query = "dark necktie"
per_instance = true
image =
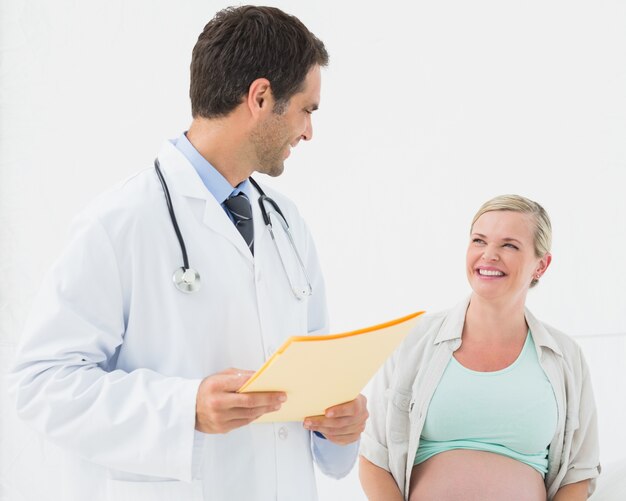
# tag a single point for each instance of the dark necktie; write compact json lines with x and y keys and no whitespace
{"x":241,"y":210}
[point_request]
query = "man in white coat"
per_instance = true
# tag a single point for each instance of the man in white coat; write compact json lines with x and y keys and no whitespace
{"x":136,"y":378}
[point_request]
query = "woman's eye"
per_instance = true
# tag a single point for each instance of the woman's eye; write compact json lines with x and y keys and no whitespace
{"x":478,"y":241}
{"x":511,"y":246}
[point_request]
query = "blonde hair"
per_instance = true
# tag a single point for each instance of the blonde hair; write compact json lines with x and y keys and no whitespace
{"x":516,"y":203}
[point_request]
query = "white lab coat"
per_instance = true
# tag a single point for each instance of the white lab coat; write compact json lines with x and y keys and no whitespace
{"x":113,"y":353}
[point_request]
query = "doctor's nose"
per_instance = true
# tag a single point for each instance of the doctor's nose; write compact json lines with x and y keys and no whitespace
{"x":307,"y":135}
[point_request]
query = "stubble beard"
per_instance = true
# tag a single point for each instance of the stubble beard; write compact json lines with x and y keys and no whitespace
{"x":269,"y":146}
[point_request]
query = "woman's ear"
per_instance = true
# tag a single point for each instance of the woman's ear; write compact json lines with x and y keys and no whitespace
{"x":544,"y":262}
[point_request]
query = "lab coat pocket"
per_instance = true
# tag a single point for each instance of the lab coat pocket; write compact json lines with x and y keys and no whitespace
{"x":399,"y":403}
{"x":172,"y":490}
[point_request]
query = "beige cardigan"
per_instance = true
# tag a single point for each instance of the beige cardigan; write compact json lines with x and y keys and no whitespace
{"x":402,"y":390}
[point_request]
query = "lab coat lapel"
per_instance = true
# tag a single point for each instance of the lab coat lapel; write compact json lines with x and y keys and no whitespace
{"x":183,"y":180}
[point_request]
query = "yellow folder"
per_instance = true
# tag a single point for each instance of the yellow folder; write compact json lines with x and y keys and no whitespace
{"x":318,"y":372}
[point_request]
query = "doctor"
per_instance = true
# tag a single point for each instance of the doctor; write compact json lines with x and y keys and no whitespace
{"x":173,"y":286}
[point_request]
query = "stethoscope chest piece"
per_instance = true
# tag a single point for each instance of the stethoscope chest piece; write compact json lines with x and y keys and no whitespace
{"x":186,"y":280}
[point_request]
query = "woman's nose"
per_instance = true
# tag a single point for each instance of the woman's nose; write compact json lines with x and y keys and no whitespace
{"x":490,"y":255}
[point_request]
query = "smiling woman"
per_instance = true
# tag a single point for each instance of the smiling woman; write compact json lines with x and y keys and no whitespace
{"x":536,"y":221}
{"x":473,"y":404}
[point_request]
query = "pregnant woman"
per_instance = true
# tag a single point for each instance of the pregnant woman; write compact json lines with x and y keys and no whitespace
{"x":484,"y":401}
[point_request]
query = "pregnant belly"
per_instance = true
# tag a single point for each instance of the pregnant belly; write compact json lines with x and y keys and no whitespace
{"x":475,"y":475}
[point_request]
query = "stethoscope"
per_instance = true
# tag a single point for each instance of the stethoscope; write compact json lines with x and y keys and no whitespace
{"x":187,"y":279}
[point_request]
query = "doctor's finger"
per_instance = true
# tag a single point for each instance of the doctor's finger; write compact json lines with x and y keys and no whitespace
{"x":347,"y":429}
{"x":226,"y":425}
{"x":225,"y":381}
{"x":244,"y":417}
{"x":234,"y":371}
{"x":342,"y":435}
{"x":235,"y":423}
{"x":214,"y":417}
{"x":355,"y":407}
{"x":256,"y":400}
{"x":319,"y":422}
{"x":250,"y":413}
{"x":221,"y":402}
{"x":343,"y":439}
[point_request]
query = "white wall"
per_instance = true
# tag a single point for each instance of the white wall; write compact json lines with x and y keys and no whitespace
{"x":428,"y":109}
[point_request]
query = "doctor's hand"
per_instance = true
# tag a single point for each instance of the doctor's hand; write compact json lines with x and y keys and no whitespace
{"x":341,"y":424}
{"x":220,"y":409}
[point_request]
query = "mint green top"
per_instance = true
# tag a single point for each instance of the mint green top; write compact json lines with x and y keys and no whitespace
{"x":511,"y":412}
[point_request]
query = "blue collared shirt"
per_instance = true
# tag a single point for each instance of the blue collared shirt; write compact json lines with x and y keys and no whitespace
{"x":217,"y":184}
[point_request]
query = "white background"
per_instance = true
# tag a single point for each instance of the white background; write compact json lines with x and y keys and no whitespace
{"x":428,"y":109}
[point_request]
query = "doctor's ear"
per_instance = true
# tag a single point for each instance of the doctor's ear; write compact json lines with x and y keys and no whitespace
{"x":260,"y":97}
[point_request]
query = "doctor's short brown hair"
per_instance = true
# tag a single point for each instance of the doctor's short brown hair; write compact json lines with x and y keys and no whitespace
{"x":241,"y":44}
